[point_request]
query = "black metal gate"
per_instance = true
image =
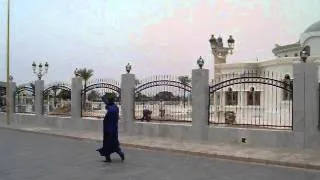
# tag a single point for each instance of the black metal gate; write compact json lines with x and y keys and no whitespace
{"x":251,"y":99}
{"x":25,"y":98}
{"x":57,"y":99}
{"x":163,"y":98}
{"x":91,"y":103}
{"x":3,"y":99}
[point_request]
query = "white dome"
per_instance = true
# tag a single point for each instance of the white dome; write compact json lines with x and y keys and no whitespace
{"x":313,"y":28}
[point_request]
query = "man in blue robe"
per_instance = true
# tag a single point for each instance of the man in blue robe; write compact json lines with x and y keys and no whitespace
{"x":110,"y":130}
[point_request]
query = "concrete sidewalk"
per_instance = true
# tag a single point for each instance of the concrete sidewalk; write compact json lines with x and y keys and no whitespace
{"x":306,"y":159}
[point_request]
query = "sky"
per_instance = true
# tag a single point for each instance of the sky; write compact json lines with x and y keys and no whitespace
{"x":157,"y":37}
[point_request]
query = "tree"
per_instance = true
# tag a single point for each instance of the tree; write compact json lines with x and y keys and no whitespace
{"x":164,"y":96}
{"x":185,"y":81}
{"x":86,"y":74}
{"x":94,"y":96}
{"x":64,"y":94}
{"x":114,"y":95}
{"x":137,"y":81}
{"x":55,"y":90}
{"x":142,"y":97}
{"x":33,"y":87}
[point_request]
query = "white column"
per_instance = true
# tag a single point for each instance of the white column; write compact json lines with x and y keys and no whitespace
{"x":298,"y":115}
{"x":200,"y":103}
{"x":311,"y":101}
{"x":76,"y":97}
{"x":127,"y":101}
{"x":39,"y":87}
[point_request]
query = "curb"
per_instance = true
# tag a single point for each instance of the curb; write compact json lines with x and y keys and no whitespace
{"x":192,"y":153}
{"x":50,"y":134}
{"x":228,"y":157}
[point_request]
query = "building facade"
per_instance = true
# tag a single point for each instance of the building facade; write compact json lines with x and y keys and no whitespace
{"x":263,"y":102}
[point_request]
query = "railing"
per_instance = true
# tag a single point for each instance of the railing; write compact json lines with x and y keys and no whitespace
{"x":251,"y":99}
{"x":57,"y":99}
{"x":163,"y":99}
{"x":91,"y":103}
{"x":25,"y":98}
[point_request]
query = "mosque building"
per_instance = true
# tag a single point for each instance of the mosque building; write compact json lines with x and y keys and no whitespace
{"x":263,"y":103}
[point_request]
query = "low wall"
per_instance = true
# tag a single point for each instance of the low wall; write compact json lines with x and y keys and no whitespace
{"x":182,"y":132}
{"x":264,"y":138}
{"x":54,"y":122}
{"x":254,"y":137}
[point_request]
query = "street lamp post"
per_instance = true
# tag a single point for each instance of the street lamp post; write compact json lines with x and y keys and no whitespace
{"x":40,"y":73}
{"x":219,"y":51}
{"x":8,"y":101}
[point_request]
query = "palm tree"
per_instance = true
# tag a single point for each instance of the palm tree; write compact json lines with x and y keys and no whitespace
{"x":86,"y":75}
{"x":33,"y":87}
{"x":137,"y":81}
{"x":185,"y":81}
{"x":55,"y":89}
{"x":64,"y":94}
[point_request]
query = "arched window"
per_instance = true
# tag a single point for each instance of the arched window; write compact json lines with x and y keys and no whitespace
{"x":253,"y":97}
{"x":287,"y":85}
{"x":231,"y":97}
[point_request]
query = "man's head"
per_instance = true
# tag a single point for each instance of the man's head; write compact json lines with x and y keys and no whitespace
{"x":110,"y":100}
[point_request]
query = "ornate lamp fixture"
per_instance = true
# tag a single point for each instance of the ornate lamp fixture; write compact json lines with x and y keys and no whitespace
{"x":40,"y":73}
{"x":217,"y":46}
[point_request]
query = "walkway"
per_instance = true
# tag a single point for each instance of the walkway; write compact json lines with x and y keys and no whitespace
{"x":300,"y":159}
{"x":31,"y":156}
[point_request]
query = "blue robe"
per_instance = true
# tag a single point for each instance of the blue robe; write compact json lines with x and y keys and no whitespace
{"x":110,"y":131}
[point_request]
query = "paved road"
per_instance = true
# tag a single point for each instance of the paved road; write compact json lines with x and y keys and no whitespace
{"x":32,"y":156}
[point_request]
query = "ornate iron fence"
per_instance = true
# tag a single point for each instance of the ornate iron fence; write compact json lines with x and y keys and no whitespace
{"x":57,"y":99}
{"x":3,"y":99}
{"x":25,"y":98}
{"x":91,"y":103}
{"x":251,"y":99}
{"x":163,"y":98}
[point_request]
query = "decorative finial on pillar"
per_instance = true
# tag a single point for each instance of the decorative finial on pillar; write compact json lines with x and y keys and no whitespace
{"x":76,"y":73}
{"x":200,"y":62}
{"x":305,"y":53}
{"x":128,"y":68}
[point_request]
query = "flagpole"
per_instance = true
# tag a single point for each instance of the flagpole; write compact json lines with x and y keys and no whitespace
{"x":8,"y":91}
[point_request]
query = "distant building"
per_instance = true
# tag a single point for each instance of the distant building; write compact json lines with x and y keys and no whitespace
{"x":256,"y":101}
{"x":310,"y":37}
{"x":286,"y":55}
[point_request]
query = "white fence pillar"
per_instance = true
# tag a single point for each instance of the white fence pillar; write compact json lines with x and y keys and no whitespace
{"x":39,"y":87}
{"x":10,"y":101}
{"x":127,"y":101}
{"x":306,"y":105}
{"x":311,"y":102}
{"x":76,"y":97}
{"x":200,"y":102}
